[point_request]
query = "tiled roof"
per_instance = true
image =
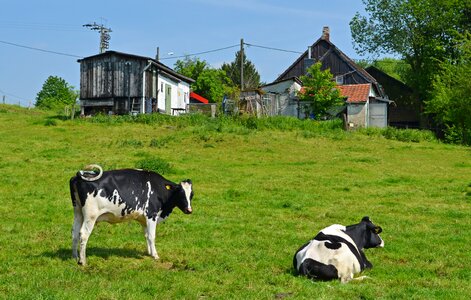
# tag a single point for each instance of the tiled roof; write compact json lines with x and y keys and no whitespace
{"x":355,"y":92}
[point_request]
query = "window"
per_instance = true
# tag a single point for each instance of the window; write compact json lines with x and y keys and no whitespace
{"x":339,"y":79}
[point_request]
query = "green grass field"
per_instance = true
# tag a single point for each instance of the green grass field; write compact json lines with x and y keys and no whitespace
{"x":262,"y":189}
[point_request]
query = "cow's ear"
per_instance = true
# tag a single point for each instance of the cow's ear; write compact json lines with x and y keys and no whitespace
{"x":377,"y":230}
{"x":366,"y":219}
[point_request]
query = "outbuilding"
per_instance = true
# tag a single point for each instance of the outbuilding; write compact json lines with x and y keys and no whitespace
{"x":121,"y":83}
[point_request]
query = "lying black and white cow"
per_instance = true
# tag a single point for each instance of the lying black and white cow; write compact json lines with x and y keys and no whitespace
{"x":336,"y":251}
{"x":122,"y":195}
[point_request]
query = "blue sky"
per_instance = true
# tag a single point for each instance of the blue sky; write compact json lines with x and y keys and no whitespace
{"x":180,"y":27}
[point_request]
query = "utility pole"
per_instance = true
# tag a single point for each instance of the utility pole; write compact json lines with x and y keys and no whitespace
{"x":241,"y":65}
{"x":104,"y":35}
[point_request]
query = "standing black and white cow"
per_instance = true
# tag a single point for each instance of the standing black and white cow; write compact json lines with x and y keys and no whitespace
{"x":121,"y":195}
{"x":337,"y":251}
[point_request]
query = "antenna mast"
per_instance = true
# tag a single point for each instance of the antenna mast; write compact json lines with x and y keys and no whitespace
{"x":104,"y":35}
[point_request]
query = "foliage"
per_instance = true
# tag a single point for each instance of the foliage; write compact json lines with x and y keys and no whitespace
{"x":396,"y":68}
{"x":251,"y":76}
{"x":210,"y":83}
{"x":451,"y":101}
{"x":415,"y":30}
{"x":258,"y":198}
{"x":191,"y":67}
{"x":319,"y":90}
{"x":55,"y":94}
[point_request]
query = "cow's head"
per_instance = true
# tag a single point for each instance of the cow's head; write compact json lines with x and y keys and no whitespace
{"x":372,"y":234}
{"x":182,"y":195}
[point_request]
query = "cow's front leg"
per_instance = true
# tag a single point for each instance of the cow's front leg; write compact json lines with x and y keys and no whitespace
{"x":150,"y":237}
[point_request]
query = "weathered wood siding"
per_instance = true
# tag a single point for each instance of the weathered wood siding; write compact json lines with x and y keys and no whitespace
{"x":113,"y":77}
{"x":324,"y":52}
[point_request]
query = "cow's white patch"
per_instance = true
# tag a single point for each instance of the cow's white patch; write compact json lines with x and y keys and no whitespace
{"x":187,"y":188}
{"x":116,"y":198}
{"x":149,"y":190}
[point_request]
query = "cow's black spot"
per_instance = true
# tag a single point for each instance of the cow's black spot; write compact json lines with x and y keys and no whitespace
{"x":316,"y":270}
{"x":333,"y":246}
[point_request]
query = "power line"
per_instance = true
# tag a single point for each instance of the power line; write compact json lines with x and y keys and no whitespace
{"x":38,"y":26}
{"x":199,"y":53}
{"x":38,"y":49}
{"x":12,"y":95}
{"x":104,"y":35}
{"x":271,"y":48}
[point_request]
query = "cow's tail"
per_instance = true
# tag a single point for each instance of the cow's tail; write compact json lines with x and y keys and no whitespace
{"x":89,"y":175}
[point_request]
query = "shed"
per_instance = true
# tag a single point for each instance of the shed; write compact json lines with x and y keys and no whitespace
{"x":364,"y":108}
{"x":121,"y":83}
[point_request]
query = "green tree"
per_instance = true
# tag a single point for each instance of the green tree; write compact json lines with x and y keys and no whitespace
{"x":210,"y":83}
{"x":421,"y":32}
{"x":394,"y":67}
{"x":251,"y":76}
{"x":55,"y":94}
{"x":191,"y":67}
{"x":320,"y":90}
{"x":451,"y":101}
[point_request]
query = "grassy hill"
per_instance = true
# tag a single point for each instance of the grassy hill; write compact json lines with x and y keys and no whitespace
{"x":262,"y":189}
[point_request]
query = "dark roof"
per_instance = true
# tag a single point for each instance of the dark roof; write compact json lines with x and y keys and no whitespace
{"x":157,"y":63}
{"x":342,"y":55}
{"x":372,"y":70}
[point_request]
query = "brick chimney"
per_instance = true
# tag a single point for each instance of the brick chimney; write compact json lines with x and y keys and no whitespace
{"x":326,"y":33}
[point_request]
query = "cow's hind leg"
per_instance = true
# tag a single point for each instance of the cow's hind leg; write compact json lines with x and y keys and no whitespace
{"x":78,"y":220}
{"x":316,"y":270}
{"x":85,"y":231}
{"x":150,"y":237}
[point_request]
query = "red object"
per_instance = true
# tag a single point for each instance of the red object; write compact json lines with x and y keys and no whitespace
{"x":199,"y":98}
{"x":355,"y":93}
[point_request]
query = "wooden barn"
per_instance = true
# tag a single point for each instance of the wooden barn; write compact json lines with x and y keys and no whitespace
{"x":121,"y":83}
{"x":406,"y":111}
{"x":346,"y":72}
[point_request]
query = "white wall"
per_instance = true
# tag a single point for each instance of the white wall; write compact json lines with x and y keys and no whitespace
{"x":180,"y":94}
{"x":286,"y":91}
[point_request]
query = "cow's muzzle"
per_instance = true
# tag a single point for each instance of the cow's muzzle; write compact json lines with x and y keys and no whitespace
{"x":188,"y":211}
